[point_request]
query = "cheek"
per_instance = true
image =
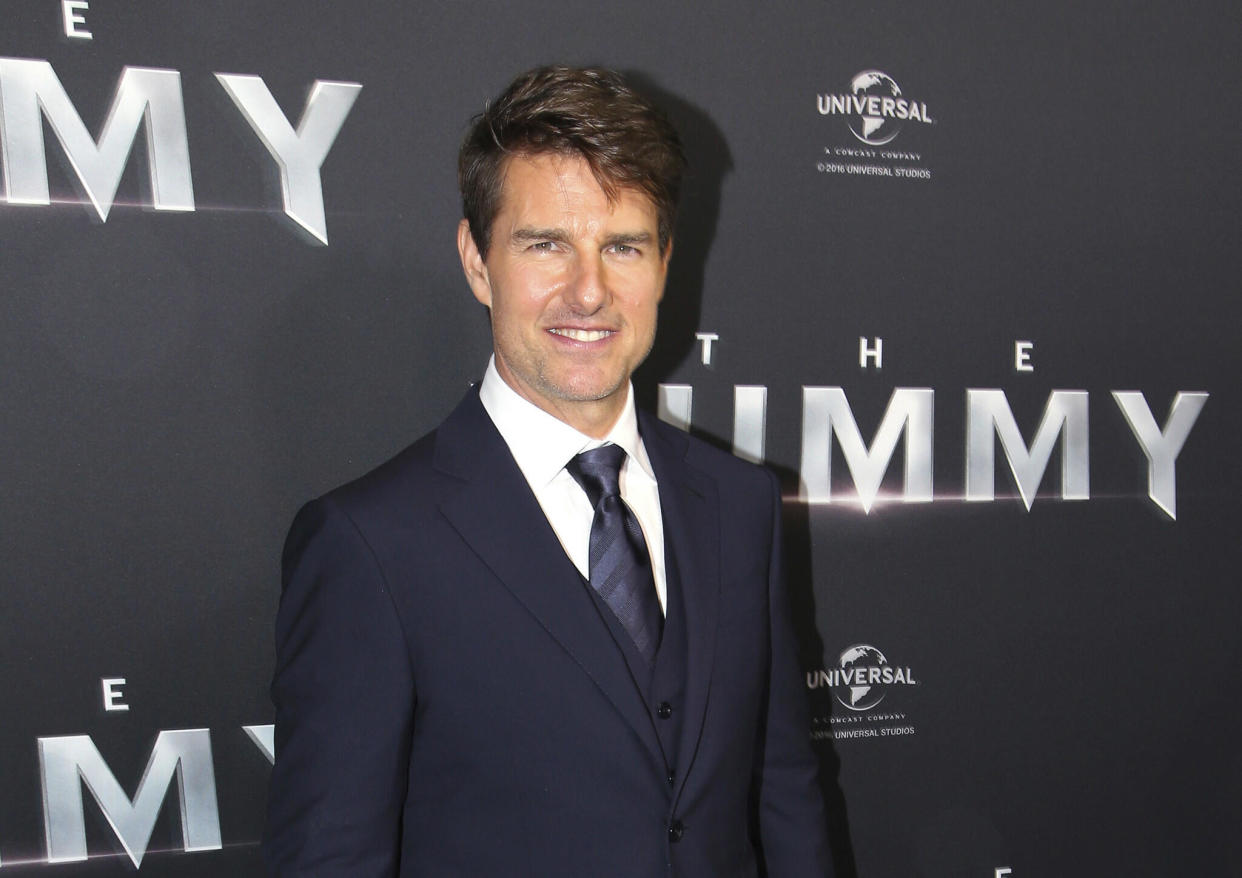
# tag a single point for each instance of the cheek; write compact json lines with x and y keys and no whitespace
{"x":533,"y":287}
{"x":644,"y":305}
{"x":518,"y":296}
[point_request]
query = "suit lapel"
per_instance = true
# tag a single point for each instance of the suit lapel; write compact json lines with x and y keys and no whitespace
{"x":498,"y":516}
{"x":690,"y":510}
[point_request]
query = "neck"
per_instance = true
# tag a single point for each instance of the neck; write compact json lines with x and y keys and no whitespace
{"x":591,"y":417}
{"x":594,"y":418}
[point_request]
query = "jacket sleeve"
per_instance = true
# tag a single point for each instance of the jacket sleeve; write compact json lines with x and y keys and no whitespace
{"x":793,"y":828}
{"x":344,"y":696}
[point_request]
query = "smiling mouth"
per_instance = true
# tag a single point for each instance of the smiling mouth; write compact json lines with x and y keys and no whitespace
{"x":583,"y":334}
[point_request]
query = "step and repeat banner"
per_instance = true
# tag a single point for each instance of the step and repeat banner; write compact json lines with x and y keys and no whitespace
{"x":964,"y":275}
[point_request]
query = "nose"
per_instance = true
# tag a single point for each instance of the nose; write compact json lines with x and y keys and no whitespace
{"x":587,"y":290}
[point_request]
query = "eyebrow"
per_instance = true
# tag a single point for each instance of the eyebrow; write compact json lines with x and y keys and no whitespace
{"x":558,"y":235}
{"x":629,"y":238}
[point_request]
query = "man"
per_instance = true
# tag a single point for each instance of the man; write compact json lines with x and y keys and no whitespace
{"x":550,"y":638}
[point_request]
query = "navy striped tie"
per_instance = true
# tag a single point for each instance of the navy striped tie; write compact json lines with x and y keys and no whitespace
{"x":620,"y":564}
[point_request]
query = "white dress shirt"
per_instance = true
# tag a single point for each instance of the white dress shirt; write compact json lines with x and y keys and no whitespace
{"x":542,"y":445}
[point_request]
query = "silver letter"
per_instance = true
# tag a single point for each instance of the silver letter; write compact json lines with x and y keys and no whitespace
{"x":750,"y":417}
{"x":70,"y":10}
{"x":264,"y":738}
{"x":142,"y":94}
{"x":987,"y":409}
{"x":1161,"y":446}
{"x":870,"y":353}
{"x":825,"y":411}
{"x":299,"y":154}
{"x":112,"y":693}
{"x":185,"y":753}
{"x":706,"y":338}
{"x":674,"y":404}
{"x":1022,"y":356}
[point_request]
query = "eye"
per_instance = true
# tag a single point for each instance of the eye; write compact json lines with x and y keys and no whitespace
{"x":543,"y":246}
{"x":626,"y":250}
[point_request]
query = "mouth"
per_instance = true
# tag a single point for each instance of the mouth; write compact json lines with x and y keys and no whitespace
{"x":582,"y":334}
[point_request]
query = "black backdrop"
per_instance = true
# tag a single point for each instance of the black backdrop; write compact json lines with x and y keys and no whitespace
{"x":1061,"y":697}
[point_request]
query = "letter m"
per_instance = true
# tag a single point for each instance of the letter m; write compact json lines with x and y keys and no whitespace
{"x":988,"y":415}
{"x":826,"y":412}
{"x":68,"y":762}
{"x":30,"y":91}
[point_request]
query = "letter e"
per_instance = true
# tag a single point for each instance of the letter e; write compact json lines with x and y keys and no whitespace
{"x":112,"y":693}
{"x":70,"y":10}
{"x":1022,"y":356}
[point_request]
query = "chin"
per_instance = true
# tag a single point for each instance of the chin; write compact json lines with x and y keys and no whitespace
{"x":585,"y":391}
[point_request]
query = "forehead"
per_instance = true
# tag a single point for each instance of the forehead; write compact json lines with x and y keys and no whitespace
{"x":550,"y":185}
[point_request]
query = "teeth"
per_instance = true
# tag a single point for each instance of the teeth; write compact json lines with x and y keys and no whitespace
{"x":582,"y":334}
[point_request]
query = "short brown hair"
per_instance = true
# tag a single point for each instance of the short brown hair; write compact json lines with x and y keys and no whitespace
{"x":588,"y":112}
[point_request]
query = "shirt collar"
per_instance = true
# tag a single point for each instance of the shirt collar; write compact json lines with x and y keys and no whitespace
{"x":542,"y":444}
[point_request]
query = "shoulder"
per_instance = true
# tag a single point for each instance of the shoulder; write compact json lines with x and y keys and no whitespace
{"x":357,"y":513}
{"x":392,"y":484}
{"x":418,"y":476}
{"x":409,"y":468}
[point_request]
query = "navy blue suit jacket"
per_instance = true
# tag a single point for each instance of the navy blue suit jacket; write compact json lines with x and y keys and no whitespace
{"x":449,"y":702}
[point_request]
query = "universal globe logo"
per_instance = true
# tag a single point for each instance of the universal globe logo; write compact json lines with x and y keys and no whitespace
{"x":862,"y":677}
{"x":874,"y":108}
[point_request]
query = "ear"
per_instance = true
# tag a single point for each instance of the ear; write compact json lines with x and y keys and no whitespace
{"x":473,"y":265}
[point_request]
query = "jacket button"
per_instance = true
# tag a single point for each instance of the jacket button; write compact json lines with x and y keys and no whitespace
{"x":665,"y":710}
{"x":676,"y":830}
{"x":672,"y":778}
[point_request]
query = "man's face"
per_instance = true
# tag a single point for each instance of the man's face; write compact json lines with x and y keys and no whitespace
{"x":572,"y":282}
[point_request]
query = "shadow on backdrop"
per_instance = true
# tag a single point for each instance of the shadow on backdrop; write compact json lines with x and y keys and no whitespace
{"x":709,"y":162}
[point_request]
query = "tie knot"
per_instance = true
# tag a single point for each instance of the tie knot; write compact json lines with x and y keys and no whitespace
{"x":598,"y":471}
